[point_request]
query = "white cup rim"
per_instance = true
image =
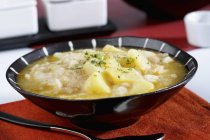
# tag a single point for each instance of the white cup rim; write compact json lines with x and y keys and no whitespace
{"x":196,"y":17}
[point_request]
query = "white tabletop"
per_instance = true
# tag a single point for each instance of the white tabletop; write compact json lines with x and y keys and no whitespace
{"x":199,"y":84}
{"x":7,"y":93}
{"x":201,"y":81}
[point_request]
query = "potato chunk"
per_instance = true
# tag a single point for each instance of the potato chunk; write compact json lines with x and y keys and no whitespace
{"x":121,"y":75}
{"x":90,"y":68}
{"x":110,"y":48}
{"x":96,"y":84}
{"x":112,"y":63}
{"x":167,"y":60}
{"x":141,"y":86}
{"x":151,"y":56}
{"x":119,"y":90}
{"x":140,"y":60}
{"x":151,"y":78}
{"x":127,"y":62}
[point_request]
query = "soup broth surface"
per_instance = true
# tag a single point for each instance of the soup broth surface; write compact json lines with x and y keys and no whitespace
{"x":108,"y":72}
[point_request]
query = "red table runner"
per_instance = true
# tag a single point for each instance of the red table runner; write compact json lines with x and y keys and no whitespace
{"x":183,"y":117}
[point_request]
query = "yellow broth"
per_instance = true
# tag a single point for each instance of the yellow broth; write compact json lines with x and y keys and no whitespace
{"x":109,"y":72}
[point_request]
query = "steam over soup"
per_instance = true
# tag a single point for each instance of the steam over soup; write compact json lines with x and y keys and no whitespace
{"x":109,"y":72}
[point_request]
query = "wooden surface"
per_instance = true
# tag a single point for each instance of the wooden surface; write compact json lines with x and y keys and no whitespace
{"x":183,"y":117}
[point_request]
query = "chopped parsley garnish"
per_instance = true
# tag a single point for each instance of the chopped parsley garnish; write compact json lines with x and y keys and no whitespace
{"x":98,"y":59}
{"x":129,"y":60}
{"x":124,"y":70}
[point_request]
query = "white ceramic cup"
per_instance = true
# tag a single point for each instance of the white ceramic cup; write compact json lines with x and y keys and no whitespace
{"x":197,"y":26}
{"x":75,"y":14}
{"x":18,"y":18}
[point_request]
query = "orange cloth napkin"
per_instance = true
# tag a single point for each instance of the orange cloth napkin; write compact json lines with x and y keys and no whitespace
{"x":183,"y":117}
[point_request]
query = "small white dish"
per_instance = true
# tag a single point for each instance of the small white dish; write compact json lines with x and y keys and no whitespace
{"x":198,"y":28}
{"x":200,"y":82}
{"x":18,"y":18}
{"x":74,"y":14}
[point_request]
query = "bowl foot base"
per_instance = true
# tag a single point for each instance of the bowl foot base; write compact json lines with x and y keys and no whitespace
{"x":104,"y":126}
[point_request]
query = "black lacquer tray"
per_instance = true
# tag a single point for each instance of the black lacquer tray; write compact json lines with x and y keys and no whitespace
{"x":46,"y":36}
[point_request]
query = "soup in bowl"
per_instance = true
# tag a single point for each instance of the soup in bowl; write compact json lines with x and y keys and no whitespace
{"x":102,"y":83}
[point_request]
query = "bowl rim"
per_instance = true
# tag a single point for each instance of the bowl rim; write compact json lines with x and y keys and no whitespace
{"x":179,"y":84}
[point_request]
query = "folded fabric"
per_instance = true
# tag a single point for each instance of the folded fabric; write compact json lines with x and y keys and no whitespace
{"x":183,"y":117}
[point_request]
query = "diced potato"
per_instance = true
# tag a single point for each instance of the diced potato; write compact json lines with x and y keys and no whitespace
{"x":151,"y":78}
{"x":127,"y":62}
{"x":112,"y":63}
{"x":96,"y":84}
{"x":90,"y":68}
{"x":110,"y":48}
{"x":140,"y":60}
{"x":151,"y":56}
{"x":121,"y":75}
{"x":167,"y":60}
{"x":119,"y":90}
{"x":141,"y":86}
{"x":159,"y":69}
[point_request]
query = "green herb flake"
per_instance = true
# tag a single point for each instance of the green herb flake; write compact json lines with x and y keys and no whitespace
{"x":93,"y":61}
{"x":129,"y":60}
{"x":86,"y":53}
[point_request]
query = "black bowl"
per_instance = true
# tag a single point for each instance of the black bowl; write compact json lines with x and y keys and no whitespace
{"x":107,"y":113}
{"x":168,"y":9}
